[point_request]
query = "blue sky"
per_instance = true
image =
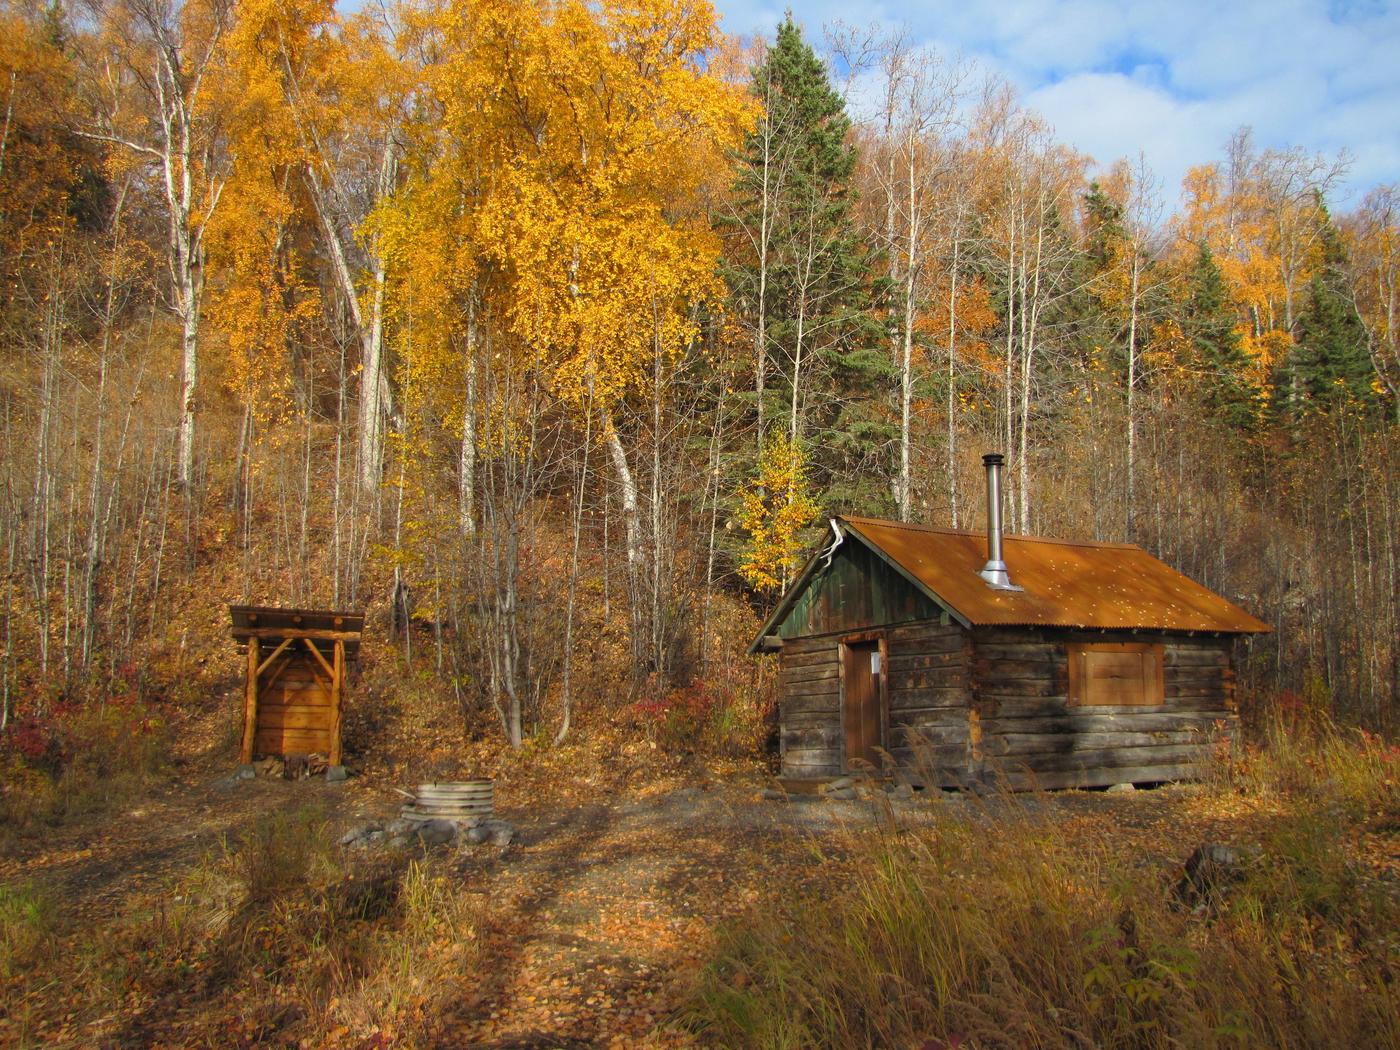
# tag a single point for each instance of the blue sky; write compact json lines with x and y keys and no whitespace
{"x":1172,"y":80}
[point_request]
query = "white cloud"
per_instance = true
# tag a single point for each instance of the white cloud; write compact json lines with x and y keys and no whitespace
{"x":1101,"y":113}
{"x":1172,"y":80}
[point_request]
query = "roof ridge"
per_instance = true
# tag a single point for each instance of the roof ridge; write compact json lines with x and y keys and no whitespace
{"x":946,"y":531}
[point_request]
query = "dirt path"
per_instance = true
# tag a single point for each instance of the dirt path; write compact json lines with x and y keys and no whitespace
{"x":603,"y":913}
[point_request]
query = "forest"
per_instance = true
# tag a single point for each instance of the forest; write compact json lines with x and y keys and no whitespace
{"x":550,"y":335}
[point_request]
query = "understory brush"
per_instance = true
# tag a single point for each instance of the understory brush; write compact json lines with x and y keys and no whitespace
{"x":1351,"y":772}
{"x":275,"y":937}
{"x":995,"y":929}
{"x":80,"y":761}
{"x":726,"y":715}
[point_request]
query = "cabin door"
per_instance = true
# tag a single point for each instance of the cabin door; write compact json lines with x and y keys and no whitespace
{"x":861,"y":673}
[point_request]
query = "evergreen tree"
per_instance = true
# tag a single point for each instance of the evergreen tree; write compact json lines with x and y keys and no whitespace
{"x":803,"y":280}
{"x":1331,"y":364}
{"x":1208,"y":323}
{"x":1094,"y":327}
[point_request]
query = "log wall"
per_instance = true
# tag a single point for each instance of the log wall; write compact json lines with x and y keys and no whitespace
{"x":809,"y":707}
{"x":930,"y":693}
{"x":926,"y":690}
{"x":994,"y":704}
{"x":1031,"y":735}
{"x":295,"y":713}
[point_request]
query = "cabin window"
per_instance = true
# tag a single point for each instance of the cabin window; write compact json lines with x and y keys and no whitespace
{"x":1104,"y":674}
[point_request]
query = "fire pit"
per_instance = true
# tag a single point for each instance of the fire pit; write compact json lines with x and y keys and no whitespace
{"x":451,"y":813}
{"x":461,"y":801}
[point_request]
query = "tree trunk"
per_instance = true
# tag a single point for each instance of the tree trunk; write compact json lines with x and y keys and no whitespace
{"x":466,"y":466}
{"x":952,"y":375}
{"x":1130,"y":522}
{"x":632,"y":523}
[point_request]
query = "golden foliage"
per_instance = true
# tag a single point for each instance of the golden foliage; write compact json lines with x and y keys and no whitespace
{"x":775,"y":507}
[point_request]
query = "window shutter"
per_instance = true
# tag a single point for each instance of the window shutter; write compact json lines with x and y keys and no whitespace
{"x":1111,"y":674}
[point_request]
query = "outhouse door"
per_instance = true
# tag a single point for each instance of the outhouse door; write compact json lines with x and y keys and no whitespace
{"x":862,"y":670}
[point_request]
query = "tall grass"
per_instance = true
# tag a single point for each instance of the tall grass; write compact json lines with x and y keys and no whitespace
{"x":273,"y":938}
{"x":998,"y":930}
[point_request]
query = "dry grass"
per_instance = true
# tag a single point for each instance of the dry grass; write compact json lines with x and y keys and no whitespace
{"x":275,"y":939}
{"x":997,"y":930}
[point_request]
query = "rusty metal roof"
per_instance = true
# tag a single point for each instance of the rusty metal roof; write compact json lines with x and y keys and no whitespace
{"x":1110,"y":586}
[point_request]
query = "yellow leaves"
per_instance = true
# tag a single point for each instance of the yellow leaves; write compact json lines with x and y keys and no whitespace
{"x":775,"y":507}
{"x":1266,"y":349}
{"x":583,"y":125}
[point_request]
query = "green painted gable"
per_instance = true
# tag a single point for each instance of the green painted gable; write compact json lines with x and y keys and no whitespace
{"x":857,"y":590}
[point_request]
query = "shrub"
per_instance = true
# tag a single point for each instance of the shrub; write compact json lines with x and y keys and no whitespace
{"x":26,"y":921}
{"x":81,"y":760}
{"x":274,"y":937}
{"x":725,"y":716}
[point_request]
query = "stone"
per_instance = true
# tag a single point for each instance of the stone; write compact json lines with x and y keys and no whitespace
{"x":1122,"y":788}
{"x":900,"y":791}
{"x":245,"y":772}
{"x":502,"y":834}
{"x":841,"y":794}
{"x":400,"y":826}
{"x":774,"y":795}
{"x":359,"y":831}
{"x":335,"y":774}
{"x":477,"y":836}
{"x":839,"y":784}
{"x":437,"y":832}
{"x":1208,"y":874}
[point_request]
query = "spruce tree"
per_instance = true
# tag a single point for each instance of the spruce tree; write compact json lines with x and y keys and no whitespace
{"x":1208,"y":323}
{"x":1331,"y":365}
{"x":806,"y":273}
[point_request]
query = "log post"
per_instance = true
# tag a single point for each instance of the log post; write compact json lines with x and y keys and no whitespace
{"x":337,"y":682}
{"x":250,"y":702}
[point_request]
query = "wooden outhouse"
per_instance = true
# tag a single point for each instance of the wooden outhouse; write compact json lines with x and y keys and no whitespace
{"x":294,"y":681}
{"x":961,"y":657}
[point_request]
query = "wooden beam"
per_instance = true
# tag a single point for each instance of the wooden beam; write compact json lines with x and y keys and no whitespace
{"x":277,"y":672}
{"x":296,"y":632}
{"x":337,"y":681}
{"x":275,"y":654}
{"x":250,"y":703}
{"x":321,"y":659}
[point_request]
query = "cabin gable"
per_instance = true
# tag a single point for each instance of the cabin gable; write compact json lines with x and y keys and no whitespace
{"x":857,"y":590}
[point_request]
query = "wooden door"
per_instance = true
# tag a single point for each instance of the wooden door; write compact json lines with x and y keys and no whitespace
{"x":861,"y":671}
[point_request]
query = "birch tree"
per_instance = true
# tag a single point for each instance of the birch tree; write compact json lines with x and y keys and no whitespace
{"x":150,"y":75}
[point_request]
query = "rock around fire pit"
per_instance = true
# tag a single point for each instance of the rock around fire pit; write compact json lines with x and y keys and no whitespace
{"x":403,"y":833}
{"x":456,"y":813}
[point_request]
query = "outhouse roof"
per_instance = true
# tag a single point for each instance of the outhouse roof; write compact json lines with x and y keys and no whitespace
{"x":1064,"y":583}
{"x":319,"y":625}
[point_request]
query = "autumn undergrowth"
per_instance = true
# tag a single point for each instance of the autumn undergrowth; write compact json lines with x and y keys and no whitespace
{"x":989,"y":926}
{"x":79,"y":761}
{"x":276,"y":937}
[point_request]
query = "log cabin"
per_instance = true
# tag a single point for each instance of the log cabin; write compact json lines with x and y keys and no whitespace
{"x":956,"y":658}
